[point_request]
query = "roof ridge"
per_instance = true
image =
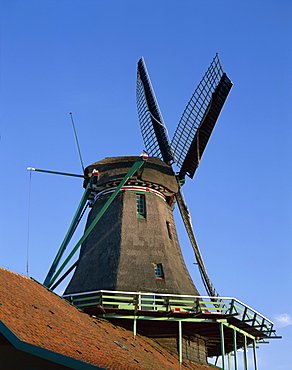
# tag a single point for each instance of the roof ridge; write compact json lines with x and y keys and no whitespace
{"x":15,"y":273}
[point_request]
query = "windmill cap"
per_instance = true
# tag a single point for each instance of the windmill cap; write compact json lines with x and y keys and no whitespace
{"x":155,"y":171}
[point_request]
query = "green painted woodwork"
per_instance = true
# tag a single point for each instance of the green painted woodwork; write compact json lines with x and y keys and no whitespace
{"x":229,"y":360}
{"x":134,"y":302}
{"x":141,"y":208}
{"x":135,"y":327}
{"x":239,"y":330}
{"x":162,"y":318}
{"x":180,"y":341}
{"x":69,"y":233}
{"x":166,"y":303}
{"x":158,"y":270}
{"x":245,"y":363}
{"x":235,"y":350}
{"x":55,"y":172}
{"x":255,"y":355}
{"x":222,"y":344}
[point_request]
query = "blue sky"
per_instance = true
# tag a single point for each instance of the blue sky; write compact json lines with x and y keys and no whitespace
{"x":81,"y":56}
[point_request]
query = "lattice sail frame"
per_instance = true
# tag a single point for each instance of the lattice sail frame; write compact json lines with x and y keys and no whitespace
{"x":191,"y":136}
{"x":154,"y":131}
{"x":195,"y":111}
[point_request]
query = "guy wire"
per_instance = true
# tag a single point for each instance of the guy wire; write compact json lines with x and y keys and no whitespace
{"x":28,"y":224}
{"x":76,"y":138}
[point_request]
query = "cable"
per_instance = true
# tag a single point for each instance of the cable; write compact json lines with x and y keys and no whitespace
{"x":76,"y":138}
{"x":28,"y":225}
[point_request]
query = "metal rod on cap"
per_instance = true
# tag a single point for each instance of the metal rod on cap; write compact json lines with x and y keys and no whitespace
{"x":55,"y":172}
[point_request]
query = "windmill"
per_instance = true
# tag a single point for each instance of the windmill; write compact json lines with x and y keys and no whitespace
{"x":185,"y":149}
{"x":130,"y":265}
{"x":111,"y":245}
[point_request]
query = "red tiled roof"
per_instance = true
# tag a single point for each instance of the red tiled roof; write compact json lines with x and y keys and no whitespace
{"x":39,"y":317}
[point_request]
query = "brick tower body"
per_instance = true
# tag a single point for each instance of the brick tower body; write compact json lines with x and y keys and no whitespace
{"x":134,"y":246}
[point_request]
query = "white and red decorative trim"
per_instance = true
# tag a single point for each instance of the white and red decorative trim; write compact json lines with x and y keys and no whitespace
{"x":131,"y":188}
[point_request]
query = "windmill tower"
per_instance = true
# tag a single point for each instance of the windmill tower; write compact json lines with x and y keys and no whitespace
{"x":134,"y":246}
{"x":130,"y":266}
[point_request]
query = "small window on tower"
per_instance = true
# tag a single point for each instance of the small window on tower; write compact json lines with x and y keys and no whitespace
{"x":158,"y":270}
{"x":168,"y":230}
{"x":141,"y":209}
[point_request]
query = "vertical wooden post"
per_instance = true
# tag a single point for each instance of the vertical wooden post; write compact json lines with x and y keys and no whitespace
{"x":235,"y":349}
{"x":255,"y":355}
{"x":229,"y":361}
{"x":245,"y":353}
{"x":180,"y":340}
{"x":135,"y":326}
{"x":222,"y":344}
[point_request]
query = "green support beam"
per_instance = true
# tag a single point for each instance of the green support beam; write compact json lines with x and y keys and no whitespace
{"x":152,"y":318}
{"x":136,"y":166}
{"x":55,"y":172}
{"x":69,"y":233}
{"x":237,"y":329}
{"x":222,"y":342}
{"x":255,"y":355}
{"x":235,"y":350}
{"x":229,"y":361}
{"x":180,"y":340}
{"x":245,"y":362}
{"x":135,"y":326}
{"x":58,"y":282}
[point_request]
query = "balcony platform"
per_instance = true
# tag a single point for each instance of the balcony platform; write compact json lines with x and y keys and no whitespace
{"x":225,"y":323}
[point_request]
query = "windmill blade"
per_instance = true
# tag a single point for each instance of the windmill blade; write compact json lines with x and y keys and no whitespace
{"x":154,"y":132}
{"x":199,"y":118}
{"x":211,"y":291}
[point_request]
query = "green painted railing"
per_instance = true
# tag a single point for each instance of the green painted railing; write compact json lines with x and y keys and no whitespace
{"x":137,"y":301}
